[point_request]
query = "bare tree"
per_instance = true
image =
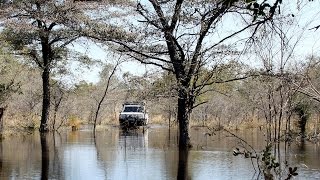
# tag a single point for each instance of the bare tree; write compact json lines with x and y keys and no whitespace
{"x":182,"y":37}
{"x":109,"y":77}
{"x":276,"y":49}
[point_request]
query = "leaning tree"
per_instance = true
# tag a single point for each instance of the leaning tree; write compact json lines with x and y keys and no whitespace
{"x":186,"y":37}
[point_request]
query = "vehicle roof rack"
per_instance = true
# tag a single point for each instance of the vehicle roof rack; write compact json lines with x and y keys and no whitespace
{"x":134,"y":103}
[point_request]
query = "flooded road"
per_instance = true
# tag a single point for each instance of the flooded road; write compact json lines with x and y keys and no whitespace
{"x":138,"y":154}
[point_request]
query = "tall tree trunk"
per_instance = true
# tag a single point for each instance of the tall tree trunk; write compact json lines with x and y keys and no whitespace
{"x":183,"y":118}
{"x":46,"y":99}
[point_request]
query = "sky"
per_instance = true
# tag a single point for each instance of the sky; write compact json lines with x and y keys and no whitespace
{"x":305,"y":17}
{"x":97,"y":52}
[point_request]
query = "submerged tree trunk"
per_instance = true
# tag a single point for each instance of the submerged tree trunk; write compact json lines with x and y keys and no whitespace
{"x":45,"y":99}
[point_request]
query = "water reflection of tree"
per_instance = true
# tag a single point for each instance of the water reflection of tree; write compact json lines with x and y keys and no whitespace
{"x":102,"y":141}
{"x":44,"y":156}
{"x":133,"y":138}
{"x":1,"y":158}
{"x":56,"y":162}
{"x":183,"y":165}
{"x":104,"y":164}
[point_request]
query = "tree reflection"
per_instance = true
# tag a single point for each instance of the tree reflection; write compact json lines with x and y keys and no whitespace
{"x":302,"y":146}
{"x":183,"y":165}
{"x":57,"y":167}
{"x":1,"y":157}
{"x":44,"y":156}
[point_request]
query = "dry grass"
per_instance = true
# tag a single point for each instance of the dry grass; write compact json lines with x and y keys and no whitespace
{"x":19,"y":123}
{"x":158,"y":119}
{"x":74,"y":122}
{"x":313,"y":125}
{"x":215,"y":124}
{"x":211,"y":124}
{"x":111,"y":120}
{"x":255,"y":123}
{"x":22,"y":122}
{"x":7,"y":133}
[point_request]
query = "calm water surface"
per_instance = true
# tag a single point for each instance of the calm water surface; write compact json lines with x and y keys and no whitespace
{"x":153,"y":154}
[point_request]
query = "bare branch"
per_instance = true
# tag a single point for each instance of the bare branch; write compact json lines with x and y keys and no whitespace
{"x":151,"y":63}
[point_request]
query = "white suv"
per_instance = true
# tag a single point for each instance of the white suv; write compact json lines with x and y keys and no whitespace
{"x":133,"y":114}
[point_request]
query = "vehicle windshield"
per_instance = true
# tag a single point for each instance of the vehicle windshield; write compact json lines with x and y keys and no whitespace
{"x":133,"y":109}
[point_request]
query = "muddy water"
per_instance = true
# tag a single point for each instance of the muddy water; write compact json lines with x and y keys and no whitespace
{"x":138,"y":154}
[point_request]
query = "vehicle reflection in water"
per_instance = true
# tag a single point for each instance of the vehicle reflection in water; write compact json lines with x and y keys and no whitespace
{"x":136,"y":159}
{"x":138,"y":154}
{"x":133,"y":138}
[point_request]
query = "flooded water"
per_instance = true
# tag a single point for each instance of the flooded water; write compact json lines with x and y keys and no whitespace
{"x":138,"y":154}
